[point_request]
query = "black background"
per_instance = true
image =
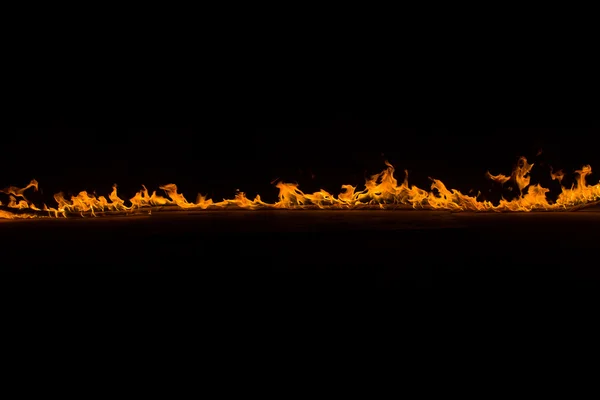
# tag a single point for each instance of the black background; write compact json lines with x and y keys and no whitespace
{"x":216,"y":157}
{"x":215,"y":105}
{"x":234,"y":103}
{"x":90,"y":100}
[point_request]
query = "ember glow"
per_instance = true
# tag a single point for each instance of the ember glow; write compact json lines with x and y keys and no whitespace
{"x":381,"y":190}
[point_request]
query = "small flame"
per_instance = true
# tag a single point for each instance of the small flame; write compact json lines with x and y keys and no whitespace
{"x":558,"y":175}
{"x":502,"y":179}
{"x":382,"y":190}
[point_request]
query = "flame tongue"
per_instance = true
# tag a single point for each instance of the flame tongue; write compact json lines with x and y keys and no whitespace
{"x":382,"y":190}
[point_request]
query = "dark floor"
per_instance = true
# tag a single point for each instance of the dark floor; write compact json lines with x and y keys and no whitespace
{"x":382,"y":247}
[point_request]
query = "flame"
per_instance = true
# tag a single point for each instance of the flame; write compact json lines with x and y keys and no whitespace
{"x":382,"y":190}
{"x":558,"y":175}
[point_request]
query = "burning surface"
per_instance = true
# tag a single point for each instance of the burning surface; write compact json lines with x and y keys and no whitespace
{"x":381,"y":190}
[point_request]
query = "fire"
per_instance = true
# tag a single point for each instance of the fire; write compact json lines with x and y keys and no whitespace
{"x":382,"y":190}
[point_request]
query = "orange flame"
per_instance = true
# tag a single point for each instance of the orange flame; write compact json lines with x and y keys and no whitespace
{"x":382,"y":190}
{"x":557,"y":176}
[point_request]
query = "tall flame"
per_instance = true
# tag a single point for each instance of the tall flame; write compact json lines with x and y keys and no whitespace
{"x":382,"y":190}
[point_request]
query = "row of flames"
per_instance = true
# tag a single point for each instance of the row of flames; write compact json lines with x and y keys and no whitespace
{"x":381,"y":189}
